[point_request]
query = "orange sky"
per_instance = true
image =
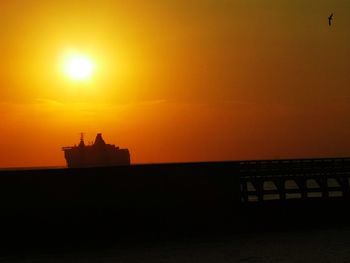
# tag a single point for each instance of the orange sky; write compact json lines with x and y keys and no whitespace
{"x":176,"y":80}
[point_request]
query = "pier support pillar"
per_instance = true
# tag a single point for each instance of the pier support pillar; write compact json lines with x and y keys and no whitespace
{"x":323,"y":183}
{"x":280,"y":184}
{"x":301,"y":183}
{"x":259,"y":186}
{"x":344,"y":184}
{"x":244,"y":190}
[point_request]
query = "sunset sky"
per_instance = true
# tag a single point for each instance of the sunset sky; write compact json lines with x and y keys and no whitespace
{"x":175,"y":80}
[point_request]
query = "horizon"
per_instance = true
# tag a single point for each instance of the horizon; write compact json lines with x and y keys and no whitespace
{"x":175,"y":81}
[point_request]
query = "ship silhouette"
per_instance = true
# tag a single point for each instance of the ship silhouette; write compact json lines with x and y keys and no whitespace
{"x":96,"y":155}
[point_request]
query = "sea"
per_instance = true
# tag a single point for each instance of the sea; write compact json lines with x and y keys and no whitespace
{"x":327,"y":243}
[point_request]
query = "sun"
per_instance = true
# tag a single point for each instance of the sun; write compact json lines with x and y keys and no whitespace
{"x":79,"y":67}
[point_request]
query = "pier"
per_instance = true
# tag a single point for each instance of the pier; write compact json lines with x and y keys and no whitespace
{"x":294,"y":179}
{"x":177,"y":191}
{"x":175,"y":196}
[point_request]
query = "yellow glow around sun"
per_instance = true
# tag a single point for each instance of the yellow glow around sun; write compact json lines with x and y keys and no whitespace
{"x":78,"y":67}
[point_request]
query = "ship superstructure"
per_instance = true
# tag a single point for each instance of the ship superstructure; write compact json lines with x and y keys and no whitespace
{"x":96,"y":155}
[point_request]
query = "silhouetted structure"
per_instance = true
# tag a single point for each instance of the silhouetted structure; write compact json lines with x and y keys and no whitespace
{"x":330,"y":18}
{"x":97,"y":154}
{"x":266,"y":180}
{"x":196,"y":195}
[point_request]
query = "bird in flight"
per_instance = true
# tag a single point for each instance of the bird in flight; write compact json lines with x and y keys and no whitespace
{"x":330,"y":18}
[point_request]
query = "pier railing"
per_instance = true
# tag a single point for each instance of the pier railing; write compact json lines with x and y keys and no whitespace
{"x":297,"y":178}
